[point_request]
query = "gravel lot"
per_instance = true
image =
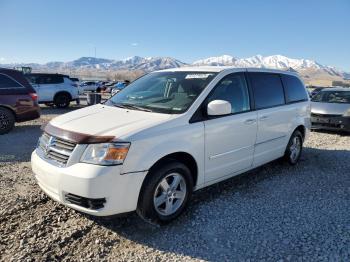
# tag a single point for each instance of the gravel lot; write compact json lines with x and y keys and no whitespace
{"x":276,"y":212}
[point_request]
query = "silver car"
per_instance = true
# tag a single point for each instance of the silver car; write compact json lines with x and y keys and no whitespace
{"x":330,"y":109}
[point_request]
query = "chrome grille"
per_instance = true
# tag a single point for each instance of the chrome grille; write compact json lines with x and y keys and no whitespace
{"x":55,"y":149}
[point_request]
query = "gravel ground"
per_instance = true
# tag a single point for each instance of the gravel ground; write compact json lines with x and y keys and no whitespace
{"x":274,"y":213}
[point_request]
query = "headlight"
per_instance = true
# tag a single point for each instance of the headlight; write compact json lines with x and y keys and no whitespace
{"x":105,"y":154}
{"x":347,"y":113}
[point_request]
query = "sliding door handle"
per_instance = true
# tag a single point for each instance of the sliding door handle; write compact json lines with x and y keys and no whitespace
{"x":263,"y":118}
{"x":249,"y":121}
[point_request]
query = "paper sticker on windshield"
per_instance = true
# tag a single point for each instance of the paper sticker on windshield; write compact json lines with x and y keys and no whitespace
{"x":192,"y":76}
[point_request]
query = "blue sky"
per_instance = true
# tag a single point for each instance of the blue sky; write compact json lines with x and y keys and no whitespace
{"x":41,"y":31}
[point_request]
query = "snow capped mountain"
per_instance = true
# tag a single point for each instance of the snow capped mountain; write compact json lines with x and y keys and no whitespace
{"x":131,"y":63}
{"x":156,"y":63}
{"x":278,"y":62}
{"x":216,"y":61}
{"x":149,"y":64}
{"x":274,"y":61}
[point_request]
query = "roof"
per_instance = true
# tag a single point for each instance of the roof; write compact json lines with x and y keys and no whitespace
{"x":218,"y":69}
{"x":3,"y":69}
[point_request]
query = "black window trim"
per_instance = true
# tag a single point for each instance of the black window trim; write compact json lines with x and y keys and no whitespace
{"x":202,"y":107}
{"x":204,"y":117}
{"x":39,"y":75}
{"x":14,"y":87}
{"x":285,"y":94}
{"x":267,"y":73}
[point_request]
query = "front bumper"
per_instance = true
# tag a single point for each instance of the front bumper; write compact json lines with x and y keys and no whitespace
{"x":330,"y":122}
{"x":88,"y":181}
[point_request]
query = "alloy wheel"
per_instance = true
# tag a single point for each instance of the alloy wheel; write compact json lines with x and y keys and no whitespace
{"x":4,"y":121}
{"x":170,"y":193}
{"x":295,"y":148}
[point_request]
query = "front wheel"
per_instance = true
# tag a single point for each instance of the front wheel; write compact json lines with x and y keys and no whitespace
{"x":7,"y":121}
{"x":294,"y":148}
{"x":165,"y":193}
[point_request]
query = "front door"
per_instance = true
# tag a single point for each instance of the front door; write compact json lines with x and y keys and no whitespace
{"x":229,"y":140}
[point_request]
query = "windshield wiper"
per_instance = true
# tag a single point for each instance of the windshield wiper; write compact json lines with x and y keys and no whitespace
{"x":118,"y":105}
{"x":130,"y":106}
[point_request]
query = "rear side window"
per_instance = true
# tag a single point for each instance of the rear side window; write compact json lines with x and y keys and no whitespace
{"x":7,"y":82}
{"x":267,"y":89}
{"x":32,"y":79}
{"x":50,"y":79}
{"x":294,"y":88}
{"x":45,"y":79}
{"x":233,"y":88}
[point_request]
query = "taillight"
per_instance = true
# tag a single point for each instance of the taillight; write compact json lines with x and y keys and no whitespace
{"x":34,"y":96}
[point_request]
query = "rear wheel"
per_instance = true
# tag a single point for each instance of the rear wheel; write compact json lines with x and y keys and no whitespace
{"x":7,"y":121}
{"x":165,"y":193}
{"x":294,"y":148}
{"x":62,"y":100}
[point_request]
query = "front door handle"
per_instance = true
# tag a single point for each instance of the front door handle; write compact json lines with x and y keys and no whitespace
{"x":249,"y":121}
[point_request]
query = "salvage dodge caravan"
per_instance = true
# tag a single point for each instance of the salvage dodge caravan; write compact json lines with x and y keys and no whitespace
{"x":169,"y":133}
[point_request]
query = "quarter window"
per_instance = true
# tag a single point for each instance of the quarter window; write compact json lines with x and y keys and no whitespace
{"x":45,"y":79}
{"x":294,"y":89}
{"x":50,"y":79}
{"x":7,"y":82}
{"x":233,"y":88}
{"x":268,"y":90}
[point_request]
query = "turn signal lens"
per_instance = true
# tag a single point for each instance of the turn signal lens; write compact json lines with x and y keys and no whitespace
{"x":116,"y":153}
{"x":105,"y":154}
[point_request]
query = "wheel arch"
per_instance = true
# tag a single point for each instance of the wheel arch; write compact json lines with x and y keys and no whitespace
{"x":302,"y":130}
{"x":62,"y":92}
{"x":182,"y":157}
{"x":11,"y":110}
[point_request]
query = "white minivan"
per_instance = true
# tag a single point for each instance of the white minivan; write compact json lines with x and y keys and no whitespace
{"x":169,"y":133}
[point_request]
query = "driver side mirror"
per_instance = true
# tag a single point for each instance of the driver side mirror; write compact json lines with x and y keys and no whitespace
{"x":219,"y":108}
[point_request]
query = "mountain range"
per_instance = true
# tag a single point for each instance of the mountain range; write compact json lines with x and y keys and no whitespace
{"x":307,"y":68}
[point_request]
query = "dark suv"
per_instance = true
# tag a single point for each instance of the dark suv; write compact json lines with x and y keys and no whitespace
{"x":18,"y":100}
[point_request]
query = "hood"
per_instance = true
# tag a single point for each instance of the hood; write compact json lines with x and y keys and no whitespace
{"x":329,"y":108}
{"x":102,"y":120}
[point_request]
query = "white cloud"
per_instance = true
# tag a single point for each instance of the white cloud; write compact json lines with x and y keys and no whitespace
{"x":2,"y":59}
{"x":134,"y":44}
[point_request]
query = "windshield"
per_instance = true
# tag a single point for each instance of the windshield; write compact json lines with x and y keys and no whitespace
{"x":340,"y":97}
{"x":163,"y":92}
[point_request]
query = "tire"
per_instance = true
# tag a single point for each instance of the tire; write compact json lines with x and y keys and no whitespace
{"x":7,"y":120}
{"x":294,"y":148}
{"x":62,"y":100}
{"x":173,"y":201}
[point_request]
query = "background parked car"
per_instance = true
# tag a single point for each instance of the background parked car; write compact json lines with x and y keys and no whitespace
{"x":316,"y":90}
{"x":54,"y":88}
{"x":330,"y":109}
{"x":109,"y":86}
{"x":18,"y":100}
{"x":90,"y":86}
{"x":119,"y":86}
